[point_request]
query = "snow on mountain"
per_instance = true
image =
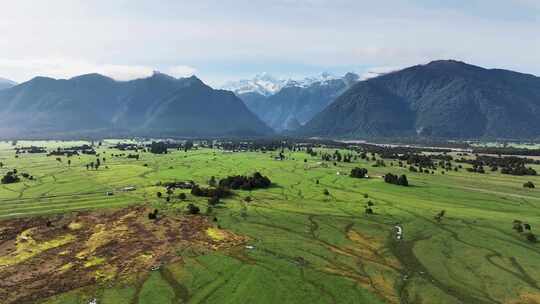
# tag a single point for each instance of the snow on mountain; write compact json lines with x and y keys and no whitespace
{"x":266,"y":84}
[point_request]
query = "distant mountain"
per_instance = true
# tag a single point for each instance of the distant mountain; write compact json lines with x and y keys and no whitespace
{"x":93,"y":104}
{"x":446,"y":99}
{"x":297,"y":101}
{"x":263,"y":84}
{"x":266,"y":84}
{"x":6,"y":83}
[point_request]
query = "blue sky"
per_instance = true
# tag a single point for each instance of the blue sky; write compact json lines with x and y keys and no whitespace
{"x":227,"y":40}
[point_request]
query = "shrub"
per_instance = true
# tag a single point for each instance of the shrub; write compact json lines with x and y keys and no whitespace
{"x":10,"y":177}
{"x":529,"y":185}
{"x":153,"y":215}
{"x":182,"y":196}
{"x":192,"y":209}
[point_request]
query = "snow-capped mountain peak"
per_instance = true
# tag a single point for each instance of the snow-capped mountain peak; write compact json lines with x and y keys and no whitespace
{"x":266,"y":84}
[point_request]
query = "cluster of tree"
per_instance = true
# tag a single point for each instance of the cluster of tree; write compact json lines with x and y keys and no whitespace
{"x":507,"y":151}
{"x":476,"y":168}
{"x":31,"y":149}
{"x":256,"y":181}
{"x":179,"y":185}
{"x":418,"y":160}
{"x":94,"y":165}
{"x":359,"y":172}
{"x":525,"y":228}
{"x":159,"y":147}
{"x":396,"y":180}
{"x":509,"y":164}
{"x":128,"y":147}
{"x":73,"y":151}
{"x":220,"y":192}
{"x":133,"y":156}
{"x":10,"y":177}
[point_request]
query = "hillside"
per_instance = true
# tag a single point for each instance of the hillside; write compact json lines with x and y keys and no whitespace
{"x":446,"y":99}
{"x":95,"y":105}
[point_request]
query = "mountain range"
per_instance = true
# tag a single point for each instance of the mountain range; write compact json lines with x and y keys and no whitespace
{"x":296,"y":102}
{"x":443,"y":99}
{"x":95,"y":105}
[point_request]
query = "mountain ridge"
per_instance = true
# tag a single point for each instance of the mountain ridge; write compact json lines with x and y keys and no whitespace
{"x":95,"y":104}
{"x":444,"y":98}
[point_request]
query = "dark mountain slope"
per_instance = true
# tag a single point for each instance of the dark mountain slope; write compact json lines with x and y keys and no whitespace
{"x":97,"y":105}
{"x":447,"y":99}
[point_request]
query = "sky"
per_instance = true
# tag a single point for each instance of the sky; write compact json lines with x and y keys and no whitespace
{"x":220,"y":41}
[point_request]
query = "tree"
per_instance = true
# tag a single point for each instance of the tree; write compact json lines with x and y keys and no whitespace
{"x":158,"y":147}
{"x":10,"y":177}
{"x":529,"y":185}
{"x":402,"y":181}
{"x":359,"y":172}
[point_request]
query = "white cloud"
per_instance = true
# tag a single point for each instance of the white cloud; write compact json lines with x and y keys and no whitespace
{"x":179,"y":71}
{"x":378,"y":71}
{"x":24,"y":69}
{"x":131,"y":38}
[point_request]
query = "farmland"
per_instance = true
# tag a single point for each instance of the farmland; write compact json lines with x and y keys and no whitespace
{"x":306,"y":239}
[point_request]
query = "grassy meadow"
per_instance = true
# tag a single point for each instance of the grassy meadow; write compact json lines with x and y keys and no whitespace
{"x":303,"y":246}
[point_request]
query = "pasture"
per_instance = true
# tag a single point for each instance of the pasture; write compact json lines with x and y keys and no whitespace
{"x":291,"y":243}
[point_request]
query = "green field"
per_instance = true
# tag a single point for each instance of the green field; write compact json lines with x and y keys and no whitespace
{"x":304,"y":246}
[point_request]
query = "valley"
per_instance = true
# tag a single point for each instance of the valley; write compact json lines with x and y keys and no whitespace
{"x":310,"y":229}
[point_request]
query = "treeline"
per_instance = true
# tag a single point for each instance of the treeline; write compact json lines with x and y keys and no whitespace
{"x":507,"y":151}
{"x":512,"y":165}
{"x":73,"y":151}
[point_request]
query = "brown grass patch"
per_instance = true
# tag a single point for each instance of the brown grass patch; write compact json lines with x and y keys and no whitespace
{"x":41,"y":257}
